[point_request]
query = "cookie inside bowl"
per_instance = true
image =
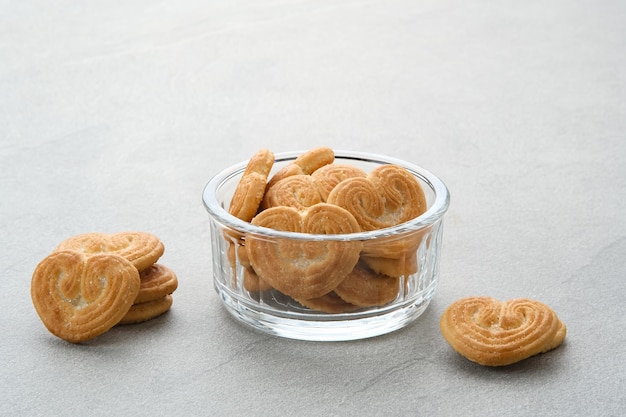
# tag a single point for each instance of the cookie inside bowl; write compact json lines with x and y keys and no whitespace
{"x":340,"y":263}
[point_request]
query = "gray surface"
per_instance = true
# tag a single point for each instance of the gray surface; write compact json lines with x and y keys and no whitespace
{"x":113,"y":116}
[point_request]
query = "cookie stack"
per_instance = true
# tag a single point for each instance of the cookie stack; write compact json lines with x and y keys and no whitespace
{"x":92,"y":282}
{"x":315,"y":195}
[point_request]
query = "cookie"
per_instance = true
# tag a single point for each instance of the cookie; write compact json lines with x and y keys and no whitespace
{"x":236,"y":253}
{"x":247,"y":199}
{"x":395,"y":255}
{"x":252,"y":282}
{"x":329,"y":303}
{"x":299,"y":191}
{"x":79,"y":297}
{"x":396,"y":245}
{"x":327,"y":177}
{"x":305,"y":164}
{"x":402,"y":266}
{"x":140,"y":248}
{"x":156,"y":281}
{"x":304,"y":268}
{"x":492,"y":333}
{"x":388,"y":196}
{"x":365,"y":288}
{"x":146,"y":311}
{"x":251,"y":187}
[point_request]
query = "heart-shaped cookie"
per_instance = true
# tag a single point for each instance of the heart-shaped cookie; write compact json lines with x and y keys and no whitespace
{"x":365,"y":288}
{"x":489,"y":332}
{"x":79,"y":297}
{"x":388,"y":196}
{"x":327,"y":177}
{"x":298,"y":191}
{"x":302,"y":268}
{"x":140,"y":248}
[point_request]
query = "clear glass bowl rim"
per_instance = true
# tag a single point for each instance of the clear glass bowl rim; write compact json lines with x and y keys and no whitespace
{"x":437,"y":209}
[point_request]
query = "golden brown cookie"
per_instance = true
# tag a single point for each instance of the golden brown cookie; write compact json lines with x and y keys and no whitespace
{"x":394,"y":255}
{"x":396,"y":245}
{"x":390,"y":195}
{"x":252,"y":282}
{"x":140,"y":248}
{"x":329,"y":303}
{"x":247,"y":198}
{"x":365,"y":288}
{"x":251,"y":187}
{"x":156,"y":282}
{"x":404,"y":265}
{"x":489,"y":332}
{"x":236,"y":253}
{"x":305,"y":164}
{"x":79,"y":297}
{"x":299,"y":191}
{"x":328,"y":176}
{"x":145,"y":311}
{"x":304,"y":269}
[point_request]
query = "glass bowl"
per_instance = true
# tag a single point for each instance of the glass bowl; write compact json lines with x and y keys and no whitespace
{"x":406,"y":258}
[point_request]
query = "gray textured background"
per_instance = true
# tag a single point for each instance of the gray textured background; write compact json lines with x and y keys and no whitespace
{"x":114,"y":115}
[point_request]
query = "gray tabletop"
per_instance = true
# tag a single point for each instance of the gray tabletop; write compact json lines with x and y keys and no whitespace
{"x":114,"y":115}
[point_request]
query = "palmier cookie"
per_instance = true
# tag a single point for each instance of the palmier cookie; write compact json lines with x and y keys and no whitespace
{"x":390,"y":195}
{"x":394,"y":267}
{"x":146,"y":311}
{"x":303,"y":268}
{"x":396,"y":245}
{"x":247,"y":197}
{"x":252,"y":282}
{"x":79,"y":297}
{"x":251,"y":187}
{"x":156,"y":282}
{"x":489,"y":332}
{"x":305,"y":164}
{"x":327,"y":177}
{"x":237,"y":255}
{"x":299,"y":191}
{"x":365,"y":288}
{"x":140,"y":248}
{"x":329,"y":303}
{"x":395,"y":255}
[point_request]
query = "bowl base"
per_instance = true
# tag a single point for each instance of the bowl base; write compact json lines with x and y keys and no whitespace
{"x":329,"y":328}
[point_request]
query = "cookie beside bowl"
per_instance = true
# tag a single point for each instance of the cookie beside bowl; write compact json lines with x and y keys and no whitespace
{"x":282,"y":272}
